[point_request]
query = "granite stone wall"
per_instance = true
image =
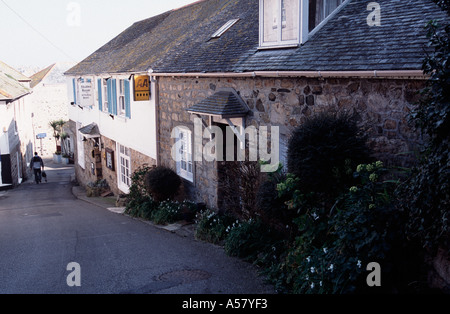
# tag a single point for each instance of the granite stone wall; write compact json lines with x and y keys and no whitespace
{"x":380,"y":105}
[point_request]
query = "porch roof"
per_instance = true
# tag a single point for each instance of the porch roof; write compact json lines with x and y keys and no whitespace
{"x":224,"y":104}
{"x":90,"y":131}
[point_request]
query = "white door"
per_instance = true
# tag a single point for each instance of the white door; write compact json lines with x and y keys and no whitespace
{"x":124,"y":166}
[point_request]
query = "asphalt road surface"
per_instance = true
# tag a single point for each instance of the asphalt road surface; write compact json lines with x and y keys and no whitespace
{"x":44,"y":228}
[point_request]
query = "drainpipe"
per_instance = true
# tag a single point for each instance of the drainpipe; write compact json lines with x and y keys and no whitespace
{"x":153,"y":79}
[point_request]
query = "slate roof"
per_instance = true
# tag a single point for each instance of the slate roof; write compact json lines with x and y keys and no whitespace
{"x":347,"y":43}
{"x":11,"y":83}
{"x":173,"y":37}
{"x":225,"y":104}
{"x":179,"y":41}
{"x":90,"y":130}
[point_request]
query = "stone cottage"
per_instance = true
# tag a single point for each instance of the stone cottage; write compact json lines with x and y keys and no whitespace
{"x":267,"y":64}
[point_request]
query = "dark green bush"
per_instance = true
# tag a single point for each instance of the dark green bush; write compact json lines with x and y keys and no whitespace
{"x":336,"y":243}
{"x":426,"y":195}
{"x":138,"y":192}
{"x":162,"y":183}
{"x":213,"y":227}
{"x":323,"y":151}
{"x":167,"y":212}
{"x":272,"y":209}
{"x":144,"y":209}
{"x":252,"y":241}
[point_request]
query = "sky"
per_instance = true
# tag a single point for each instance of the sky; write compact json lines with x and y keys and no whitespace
{"x":42,"y":32}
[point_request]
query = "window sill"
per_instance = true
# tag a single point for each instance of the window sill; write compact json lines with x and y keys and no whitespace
{"x":279,"y":46}
{"x":188,"y":178}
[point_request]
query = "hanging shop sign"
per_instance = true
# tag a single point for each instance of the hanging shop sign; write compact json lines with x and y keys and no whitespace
{"x":141,"y":88}
{"x":86,"y":92}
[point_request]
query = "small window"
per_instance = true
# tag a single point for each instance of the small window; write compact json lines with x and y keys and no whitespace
{"x":319,"y":10}
{"x":105,"y":93}
{"x":224,"y":28}
{"x":122,"y":106}
{"x":288,"y":23}
{"x":185,"y":166}
{"x":279,"y":22}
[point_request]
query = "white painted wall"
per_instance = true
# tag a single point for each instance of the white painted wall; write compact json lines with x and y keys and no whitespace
{"x":4,"y":146}
{"x":19,"y":111}
{"x":137,"y":133}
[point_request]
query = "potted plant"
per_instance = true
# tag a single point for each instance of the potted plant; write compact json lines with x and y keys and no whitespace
{"x":57,"y":127}
{"x":65,"y":147}
{"x":65,"y":159}
{"x":57,"y":157}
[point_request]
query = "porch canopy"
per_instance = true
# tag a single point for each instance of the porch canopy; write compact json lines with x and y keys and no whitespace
{"x":224,"y":104}
{"x":90,"y":131}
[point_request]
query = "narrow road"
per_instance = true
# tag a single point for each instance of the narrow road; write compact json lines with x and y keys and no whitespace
{"x":44,"y":227}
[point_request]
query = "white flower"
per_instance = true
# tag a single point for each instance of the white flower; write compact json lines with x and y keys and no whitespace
{"x":312,"y":285}
{"x":320,"y":283}
{"x":308,"y":259}
{"x":307,"y":277}
{"x":315,"y":216}
{"x":325,"y":250}
{"x":312,"y":269}
{"x":359,"y":264}
{"x":331,"y":267}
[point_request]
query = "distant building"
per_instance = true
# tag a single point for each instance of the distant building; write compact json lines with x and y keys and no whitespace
{"x":49,"y":102}
{"x":16,"y":134}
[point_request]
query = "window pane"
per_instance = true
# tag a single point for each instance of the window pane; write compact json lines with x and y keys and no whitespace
{"x":319,"y":10}
{"x":289,"y":19}
{"x":271,"y":20}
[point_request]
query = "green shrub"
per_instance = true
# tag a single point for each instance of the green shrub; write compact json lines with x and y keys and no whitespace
{"x":143,"y":209}
{"x":426,"y":195}
{"x":272,"y":208}
{"x":212,"y":227}
{"x":138,"y":194}
{"x":168,"y":212}
{"x":323,"y":151}
{"x":335,"y":244}
{"x":162,"y":183}
{"x":252,"y":241}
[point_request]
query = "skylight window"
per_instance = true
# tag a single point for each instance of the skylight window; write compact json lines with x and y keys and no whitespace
{"x":224,"y":28}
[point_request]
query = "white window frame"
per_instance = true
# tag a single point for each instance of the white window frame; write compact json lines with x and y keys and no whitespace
{"x":121,"y":106}
{"x":184,"y":153}
{"x":325,"y":20}
{"x":303,"y":25}
{"x":279,"y":43}
{"x":104,"y":88}
{"x":124,"y":173}
{"x":224,"y":28}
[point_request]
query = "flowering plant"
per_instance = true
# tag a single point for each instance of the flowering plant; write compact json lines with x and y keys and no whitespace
{"x":333,"y":245}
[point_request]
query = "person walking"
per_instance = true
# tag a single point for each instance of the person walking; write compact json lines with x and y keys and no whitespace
{"x":37,"y":165}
